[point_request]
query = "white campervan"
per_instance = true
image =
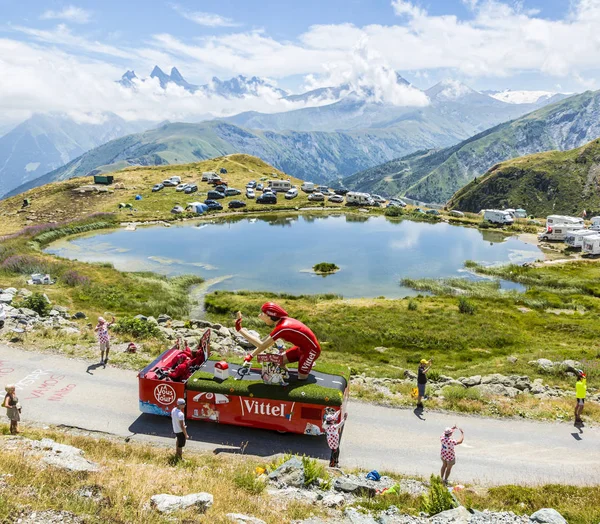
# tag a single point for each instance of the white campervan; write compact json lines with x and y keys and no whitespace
{"x":280,"y":186}
{"x":595,"y":223}
{"x":307,"y":187}
{"x":576,"y":237}
{"x":208,"y":176}
{"x":591,"y":245}
{"x":359,"y":199}
{"x":562,"y":220}
{"x":558,"y":233}
{"x":495,"y":216}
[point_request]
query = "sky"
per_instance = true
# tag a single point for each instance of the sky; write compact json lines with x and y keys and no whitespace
{"x":60,"y":56}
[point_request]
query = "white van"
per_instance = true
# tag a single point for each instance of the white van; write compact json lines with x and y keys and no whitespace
{"x":575,"y":238}
{"x":558,"y":233}
{"x":280,"y":186}
{"x":595,"y":223}
{"x":176,"y":180}
{"x":560,"y":220}
{"x":359,"y":199}
{"x":307,"y":187}
{"x":591,"y":245}
{"x":208,"y":175}
{"x":495,"y":216}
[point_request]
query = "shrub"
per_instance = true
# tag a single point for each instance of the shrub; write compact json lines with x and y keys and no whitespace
{"x":38,"y":302}
{"x":314,"y":470}
{"x":73,"y":278}
{"x":247,"y":480}
{"x":433,"y":375}
{"x":454,"y":393}
{"x":438,"y":498}
{"x":325,"y":267}
{"x":393,"y":212}
{"x":25,"y":264}
{"x":137,"y":328}
{"x":412,"y":305}
{"x":465,"y":306}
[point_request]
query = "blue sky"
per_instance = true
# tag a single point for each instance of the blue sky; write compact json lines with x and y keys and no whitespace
{"x":548,"y":45}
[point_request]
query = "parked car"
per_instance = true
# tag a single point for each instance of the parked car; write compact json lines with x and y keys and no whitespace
{"x":213,"y":205}
{"x":251,"y":184}
{"x":234,"y":204}
{"x":336,"y":199}
{"x":250,"y":193}
{"x":394,"y":204}
{"x":181,"y":187}
{"x":268,"y":190}
{"x":401,"y":203}
{"x":192,"y":188}
{"x":220,"y":189}
{"x":433,"y":212}
{"x":456,"y":213}
{"x":231,"y":191}
{"x":340,"y":191}
{"x":215,"y":195}
{"x":316,"y":197}
{"x":379,"y":199}
{"x":169,"y":183}
{"x":267,"y":198}
{"x":157,"y":187}
{"x":292,"y":193}
{"x":260,"y":186}
{"x":223,"y":170}
{"x":419,"y":210}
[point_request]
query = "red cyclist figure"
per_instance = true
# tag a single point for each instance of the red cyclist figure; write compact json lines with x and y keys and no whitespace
{"x":306,"y":349}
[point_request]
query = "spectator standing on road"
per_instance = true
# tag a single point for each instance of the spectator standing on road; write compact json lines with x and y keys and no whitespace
{"x":101,"y":330}
{"x":424,"y":367}
{"x":333,"y":430}
{"x":580,"y":391}
{"x":179,"y":427}
{"x":447,"y":453}
{"x":13,"y":408}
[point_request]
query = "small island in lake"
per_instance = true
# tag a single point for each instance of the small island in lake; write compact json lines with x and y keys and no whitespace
{"x":325,"y":268}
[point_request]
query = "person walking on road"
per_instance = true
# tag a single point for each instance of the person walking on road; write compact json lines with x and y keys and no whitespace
{"x":580,"y":391}
{"x":103,"y":338}
{"x":13,"y":408}
{"x":424,"y":367}
{"x":447,"y":453}
{"x":179,"y":427}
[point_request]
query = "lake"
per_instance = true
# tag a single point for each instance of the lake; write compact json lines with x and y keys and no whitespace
{"x":277,"y":254}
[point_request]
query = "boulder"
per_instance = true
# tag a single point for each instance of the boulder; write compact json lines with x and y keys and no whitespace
{"x":295,"y":493}
{"x":162,"y":318}
{"x":512,"y":360}
{"x":165,"y":503}
{"x":80,"y":315}
{"x":354,"y":486}
{"x":11,"y":290}
{"x":460,"y":515}
{"x":497,"y":389}
{"x":223,"y":331}
{"x":380,"y":349}
{"x":28,"y":312}
{"x":69,"y":331}
{"x":152,"y":320}
{"x":353,"y":516}
{"x":177,"y":324}
{"x":570,"y":365}
{"x":410,"y":375}
{"x":25,"y":292}
{"x":543,"y":363}
{"x":522,"y":383}
{"x":333,"y":500}
{"x":240,"y":518}
{"x":141,"y":317}
{"x":497,"y":378}
{"x":547,"y":516}
{"x":290,"y":473}
{"x":54,"y":313}
{"x":61,"y":309}
{"x":6,"y":298}
{"x":470,"y":381}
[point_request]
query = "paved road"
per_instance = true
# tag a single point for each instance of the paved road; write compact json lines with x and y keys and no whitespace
{"x":62,"y":391}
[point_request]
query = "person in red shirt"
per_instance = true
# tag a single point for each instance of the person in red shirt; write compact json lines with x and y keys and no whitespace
{"x":306,"y":348}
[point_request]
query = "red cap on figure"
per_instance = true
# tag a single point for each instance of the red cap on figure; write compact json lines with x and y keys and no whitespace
{"x":273,"y":310}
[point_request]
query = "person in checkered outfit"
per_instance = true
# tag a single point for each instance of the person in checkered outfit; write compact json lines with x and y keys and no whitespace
{"x":101,"y":330}
{"x":447,"y":453}
{"x":333,"y":430}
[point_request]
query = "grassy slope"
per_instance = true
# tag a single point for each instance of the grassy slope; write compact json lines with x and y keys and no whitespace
{"x":58,"y":202}
{"x":560,"y":182}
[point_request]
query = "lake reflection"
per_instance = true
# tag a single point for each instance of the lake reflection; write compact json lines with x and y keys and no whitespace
{"x":276,"y":254}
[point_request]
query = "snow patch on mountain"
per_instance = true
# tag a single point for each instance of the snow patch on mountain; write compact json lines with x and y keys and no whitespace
{"x":521,"y":97}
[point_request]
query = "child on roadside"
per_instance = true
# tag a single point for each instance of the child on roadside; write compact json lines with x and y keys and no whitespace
{"x":333,"y":431}
{"x":580,"y":391}
{"x":447,"y":453}
{"x":103,"y":338}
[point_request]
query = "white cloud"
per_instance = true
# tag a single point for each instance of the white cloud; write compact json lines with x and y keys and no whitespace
{"x":205,"y":19}
{"x":70,"y":13}
{"x":403,"y":7}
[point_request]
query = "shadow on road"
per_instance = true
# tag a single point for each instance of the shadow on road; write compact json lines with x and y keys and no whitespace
{"x":419,"y":413}
{"x":93,"y":367}
{"x":234,"y":439}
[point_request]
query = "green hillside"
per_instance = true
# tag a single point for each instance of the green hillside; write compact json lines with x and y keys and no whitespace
{"x":554,"y":182}
{"x":434,"y":176}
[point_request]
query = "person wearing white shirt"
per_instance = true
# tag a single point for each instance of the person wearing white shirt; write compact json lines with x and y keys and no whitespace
{"x":179,"y":427}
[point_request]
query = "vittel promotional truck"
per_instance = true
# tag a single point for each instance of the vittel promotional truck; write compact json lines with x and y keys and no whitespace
{"x":216,"y":391}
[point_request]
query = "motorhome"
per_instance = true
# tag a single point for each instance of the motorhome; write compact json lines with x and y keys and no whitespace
{"x":576,"y":237}
{"x":359,"y":199}
{"x":495,"y":216}
{"x":558,"y":232}
{"x":280,"y":186}
{"x":520,"y":213}
{"x":560,"y":220}
{"x":307,"y":187}
{"x":595,"y":223}
{"x":591,"y":245}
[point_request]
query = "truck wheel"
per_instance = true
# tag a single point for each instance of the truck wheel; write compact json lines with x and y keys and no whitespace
{"x":545,"y":239}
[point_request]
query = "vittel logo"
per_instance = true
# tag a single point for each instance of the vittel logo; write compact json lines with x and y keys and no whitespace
{"x":254,"y":407}
{"x":164,"y":394}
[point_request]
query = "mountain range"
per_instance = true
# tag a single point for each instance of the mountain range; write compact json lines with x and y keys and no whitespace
{"x":561,"y":182}
{"x":435,"y":175}
{"x":46,"y":141}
